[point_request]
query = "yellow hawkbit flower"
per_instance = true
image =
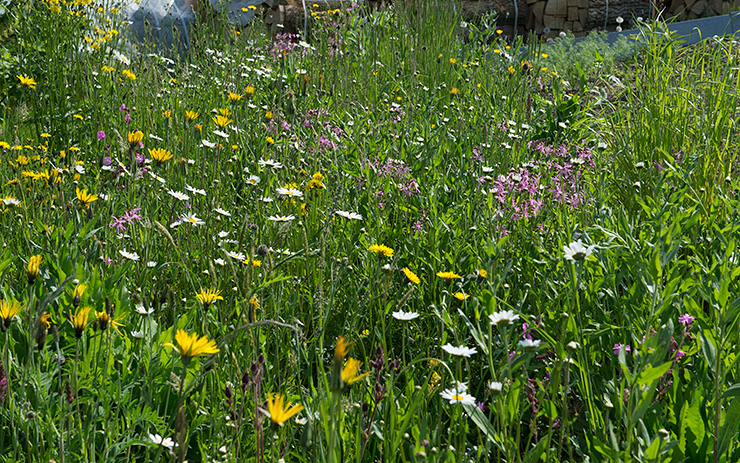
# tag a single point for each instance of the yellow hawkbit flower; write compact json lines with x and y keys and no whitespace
{"x":85,"y":198}
{"x":129,"y":74}
{"x":448,"y":275}
{"x":79,"y":320}
{"x":411,"y":276}
{"x":135,"y":138}
{"x":27,"y":81}
{"x":77,"y":295}
{"x":33,"y":268}
{"x":208,"y":296}
{"x":281,"y":411}
{"x":342,"y":348}
{"x":7,"y":312}
{"x":234,"y":97}
{"x":461,"y":296}
{"x":191,"y":115}
{"x":350,"y":370}
{"x":160,"y":155}
{"x":454,"y":91}
{"x":249,"y":91}
{"x":381,"y":249}
{"x":192,"y":345}
{"x":222,"y":121}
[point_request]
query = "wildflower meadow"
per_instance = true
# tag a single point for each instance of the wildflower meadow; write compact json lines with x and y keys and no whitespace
{"x":392,"y":236}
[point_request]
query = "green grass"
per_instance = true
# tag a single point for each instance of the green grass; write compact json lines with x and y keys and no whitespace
{"x":470,"y":156}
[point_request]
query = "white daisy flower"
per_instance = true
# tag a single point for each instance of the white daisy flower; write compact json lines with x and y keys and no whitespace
{"x":460,"y":351}
{"x":141,"y":310}
{"x":223,"y":234}
{"x":495,"y":386}
{"x":129,"y":255}
{"x":179,"y":195}
{"x":266,"y":199}
{"x":401,"y":315}
{"x":221,"y":134}
{"x":349,"y":215}
{"x":506,"y":317}
{"x":223,"y":212}
{"x":291,"y":192}
{"x":456,"y":396}
{"x":208,"y":144}
{"x":528,"y":344}
{"x":577,"y":251}
{"x":220,"y":262}
{"x":195,"y":190}
{"x":253,"y":180}
{"x":236,"y":255}
{"x":151,"y":264}
{"x":137,"y":334}
{"x":163,"y":441}
{"x":270,"y":163}
{"x":281,"y":218}
{"x":156,"y":177}
{"x":192,"y":219}
{"x":11,"y":202}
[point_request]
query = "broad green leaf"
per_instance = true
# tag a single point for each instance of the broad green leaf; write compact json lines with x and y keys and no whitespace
{"x":730,"y":427}
{"x":652,"y":373}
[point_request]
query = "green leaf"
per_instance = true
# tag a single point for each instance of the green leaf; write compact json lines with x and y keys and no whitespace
{"x":480,"y":420}
{"x":651,"y":374}
{"x":707,"y":349}
{"x":730,"y":427}
{"x":732,"y":391}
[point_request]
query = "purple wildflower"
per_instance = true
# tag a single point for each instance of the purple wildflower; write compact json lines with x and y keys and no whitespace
{"x":686,"y":319}
{"x":101,"y":135}
{"x":3,"y":384}
{"x":617,"y":347}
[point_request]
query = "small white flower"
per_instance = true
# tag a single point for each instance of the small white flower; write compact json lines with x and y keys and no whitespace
{"x":401,"y":315}
{"x":253,"y":180}
{"x":195,"y":190}
{"x":179,"y":195}
{"x":192,"y":219}
{"x":291,"y":192}
{"x":137,"y":334}
{"x":11,"y":202}
{"x":151,"y":264}
{"x":281,"y":218}
{"x":220,"y":262}
{"x":270,"y":163}
{"x":528,"y":344}
{"x":495,"y":386}
{"x":236,"y":255}
{"x":221,"y":134}
{"x":266,"y":199}
{"x":349,"y":215}
{"x":506,"y":317}
{"x":223,"y":212}
{"x":163,"y":441}
{"x":461,"y":351}
{"x":223,"y":234}
{"x":141,"y":310}
{"x":129,"y":255}
{"x":157,"y":177}
{"x":577,"y":251}
{"x":456,"y":396}
{"x":208,"y":144}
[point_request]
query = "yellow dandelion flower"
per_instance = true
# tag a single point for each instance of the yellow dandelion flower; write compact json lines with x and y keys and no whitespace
{"x":191,"y":115}
{"x":448,"y":275}
{"x":381,"y":249}
{"x":350,"y":370}
{"x":234,"y":97}
{"x":79,"y":320}
{"x":222,"y":121}
{"x":460,"y":296}
{"x":411,"y":276}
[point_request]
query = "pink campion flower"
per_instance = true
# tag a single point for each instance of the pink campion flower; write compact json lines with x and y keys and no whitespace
{"x":100,"y":135}
{"x":686,"y":319}
{"x":679,"y":354}
{"x":617,"y":347}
